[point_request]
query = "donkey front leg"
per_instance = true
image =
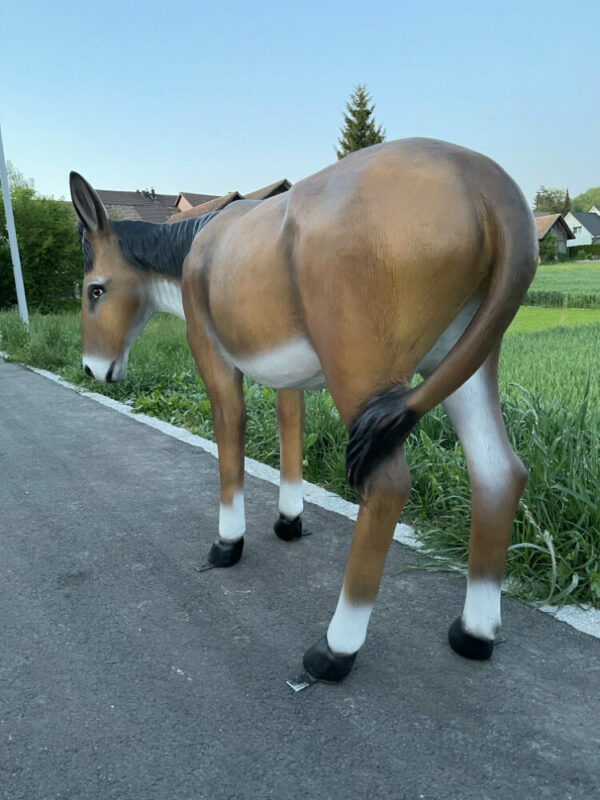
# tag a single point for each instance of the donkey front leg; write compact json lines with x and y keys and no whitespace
{"x":290,"y":415}
{"x":224,"y":384}
{"x":498,"y":478}
{"x":229,"y":420}
{"x":332,"y":657}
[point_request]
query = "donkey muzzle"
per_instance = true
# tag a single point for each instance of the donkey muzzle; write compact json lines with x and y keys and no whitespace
{"x":101,"y":369}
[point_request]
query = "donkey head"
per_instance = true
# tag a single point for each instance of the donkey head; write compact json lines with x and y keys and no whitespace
{"x":115,"y":302}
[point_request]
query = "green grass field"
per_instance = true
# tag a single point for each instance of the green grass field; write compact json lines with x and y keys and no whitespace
{"x":574,"y":284}
{"x":550,"y":386}
{"x":536,"y":318}
{"x":577,"y":277}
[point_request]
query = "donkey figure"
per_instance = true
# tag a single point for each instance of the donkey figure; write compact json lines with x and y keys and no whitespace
{"x":408,"y":257}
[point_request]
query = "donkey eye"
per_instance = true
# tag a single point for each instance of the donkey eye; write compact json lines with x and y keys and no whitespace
{"x":96,"y":291}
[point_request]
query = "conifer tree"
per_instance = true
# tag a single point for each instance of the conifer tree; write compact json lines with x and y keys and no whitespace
{"x":567,"y":205}
{"x":359,"y":128}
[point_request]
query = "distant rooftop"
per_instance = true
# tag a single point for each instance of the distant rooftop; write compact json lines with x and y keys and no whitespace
{"x":589,"y":220}
{"x":269,"y":191}
{"x":544,"y":222}
{"x":150,"y":206}
{"x":216,"y":204}
{"x":145,"y":205}
{"x":183,"y":210}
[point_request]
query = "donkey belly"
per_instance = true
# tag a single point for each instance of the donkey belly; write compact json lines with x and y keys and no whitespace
{"x":294,"y":365}
{"x":449,"y":337}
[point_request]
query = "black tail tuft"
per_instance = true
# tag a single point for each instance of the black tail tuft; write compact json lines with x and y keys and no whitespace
{"x":380,"y":427}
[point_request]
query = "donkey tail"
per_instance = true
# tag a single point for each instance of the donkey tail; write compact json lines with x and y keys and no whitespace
{"x":385,"y":420}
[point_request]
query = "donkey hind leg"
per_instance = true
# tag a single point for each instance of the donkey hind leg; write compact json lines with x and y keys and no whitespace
{"x":333,"y":656}
{"x":290,"y":415}
{"x":498,"y":478}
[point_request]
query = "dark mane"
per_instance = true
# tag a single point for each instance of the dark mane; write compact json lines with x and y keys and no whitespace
{"x":158,"y":247}
{"x":150,"y":246}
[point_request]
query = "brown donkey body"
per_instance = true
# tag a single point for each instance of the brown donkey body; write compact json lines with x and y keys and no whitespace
{"x":411,"y":256}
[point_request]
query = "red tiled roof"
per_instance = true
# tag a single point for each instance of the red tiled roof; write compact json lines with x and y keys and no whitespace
{"x":545,"y":223}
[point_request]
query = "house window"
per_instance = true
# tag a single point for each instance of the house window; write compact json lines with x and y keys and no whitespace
{"x":576,"y":229}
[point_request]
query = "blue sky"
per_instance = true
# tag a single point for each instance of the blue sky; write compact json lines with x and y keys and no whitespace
{"x":211,"y":97}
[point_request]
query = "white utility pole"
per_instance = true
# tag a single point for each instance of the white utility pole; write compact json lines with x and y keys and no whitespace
{"x":12,"y":237}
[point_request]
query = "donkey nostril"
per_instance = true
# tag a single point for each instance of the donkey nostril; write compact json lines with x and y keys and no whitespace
{"x":88,"y":371}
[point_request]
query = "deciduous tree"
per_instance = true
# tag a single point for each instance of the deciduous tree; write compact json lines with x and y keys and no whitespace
{"x":550,"y":200}
{"x":48,"y":246}
{"x":587,"y":199}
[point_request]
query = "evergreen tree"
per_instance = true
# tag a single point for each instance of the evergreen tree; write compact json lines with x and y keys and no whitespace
{"x":359,"y":128}
{"x":567,"y":205}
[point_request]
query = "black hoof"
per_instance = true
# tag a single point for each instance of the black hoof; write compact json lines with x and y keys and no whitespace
{"x":225,"y":554}
{"x":468,"y":646}
{"x":324,"y":665}
{"x":288,"y":530}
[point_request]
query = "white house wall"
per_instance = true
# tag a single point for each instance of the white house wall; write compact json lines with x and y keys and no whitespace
{"x":582,"y":236}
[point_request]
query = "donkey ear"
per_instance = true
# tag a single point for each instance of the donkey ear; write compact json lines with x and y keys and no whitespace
{"x":87,"y":204}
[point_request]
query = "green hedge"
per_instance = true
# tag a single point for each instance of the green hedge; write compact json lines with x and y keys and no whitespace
{"x":585,"y":251}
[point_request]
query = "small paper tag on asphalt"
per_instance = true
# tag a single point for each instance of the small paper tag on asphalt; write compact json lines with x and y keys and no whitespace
{"x":303,"y":681}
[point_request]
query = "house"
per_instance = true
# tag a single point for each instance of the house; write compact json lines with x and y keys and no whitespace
{"x":556,"y":224}
{"x":149,"y":206}
{"x":187,"y":200}
{"x":585,"y":226}
{"x":279,"y":187}
{"x":146,"y":205}
{"x":217,"y":203}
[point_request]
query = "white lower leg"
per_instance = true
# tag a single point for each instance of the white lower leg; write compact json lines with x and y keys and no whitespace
{"x":291,"y":501}
{"x":348,"y":629}
{"x":481,"y":614}
{"x":232,"y":519}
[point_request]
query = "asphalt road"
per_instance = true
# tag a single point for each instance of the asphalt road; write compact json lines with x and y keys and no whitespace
{"x":124,"y":673}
